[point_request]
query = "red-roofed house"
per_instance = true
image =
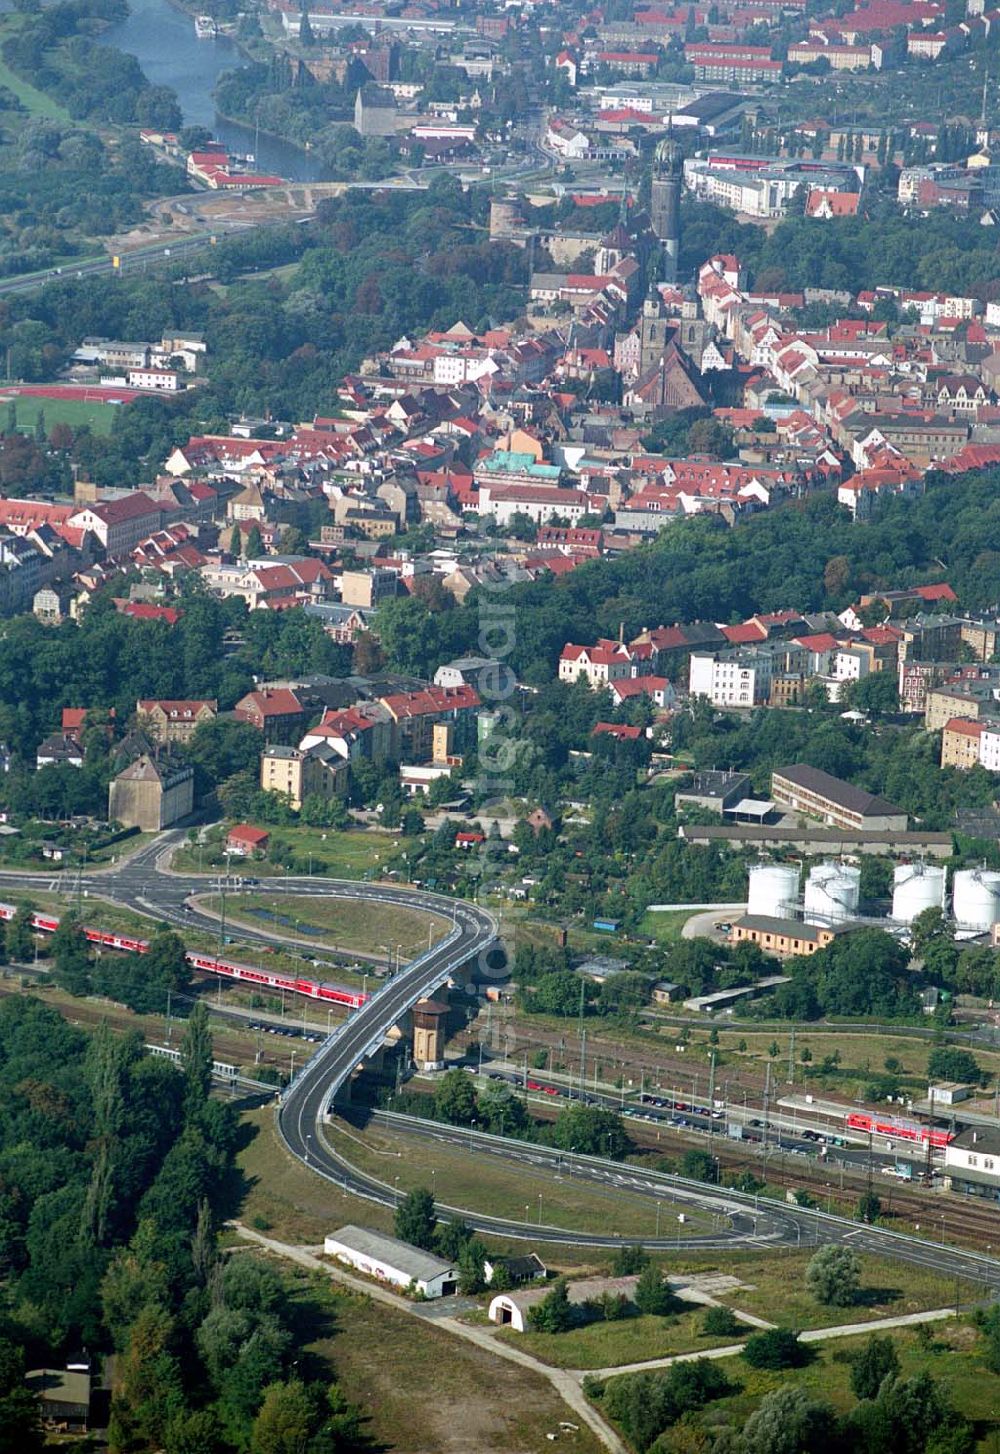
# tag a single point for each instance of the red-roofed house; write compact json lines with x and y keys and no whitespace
{"x":658,"y":689}
{"x":416,"y":714}
{"x":824,"y":203}
{"x":147,"y":611}
{"x":960,"y":743}
{"x":618,"y":730}
{"x":120,"y":524}
{"x":607,"y":662}
{"x":247,"y":842}
{"x":275,"y":711}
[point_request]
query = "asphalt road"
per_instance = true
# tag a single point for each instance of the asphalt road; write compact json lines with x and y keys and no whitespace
{"x":140,"y":882}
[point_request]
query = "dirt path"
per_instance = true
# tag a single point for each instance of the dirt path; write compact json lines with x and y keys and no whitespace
{"x":566,"y":1384}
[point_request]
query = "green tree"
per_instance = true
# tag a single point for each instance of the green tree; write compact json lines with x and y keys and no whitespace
{"x":70,"y":956}
{"x":20,"y":935}
{"x":255,"y":544}
{"x":628,"y":1260}
{"x":721,"y":1322}
{"x":869,"y":1207}
{"x":555,"y":1313}
{"x":455,"y":1098}
{"x":414,"y":1220}
{"x":286,"y":1421}
{"x":875,"y":1361}
{"x":945,"y":1062}
{"x":699,"y":1165}
{"x":834,"y":1276}
{"x":788,"y":1421}
{"x":197,"y":1055}
{"x":653,"y":1295}
{"x":591,"y":1131}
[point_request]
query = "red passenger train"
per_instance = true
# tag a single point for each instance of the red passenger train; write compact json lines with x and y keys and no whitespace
{"x":208,"y":963}
{"x":898,"y":1130}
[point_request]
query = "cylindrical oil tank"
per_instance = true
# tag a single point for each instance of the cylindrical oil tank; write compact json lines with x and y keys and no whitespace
{"x":916,"y":887}
{"x":774,"y":890}
{"x":976,"y":898}
{"x":833,"y":891}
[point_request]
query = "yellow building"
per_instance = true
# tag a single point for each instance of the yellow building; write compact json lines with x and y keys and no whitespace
{"x":296,"y":774}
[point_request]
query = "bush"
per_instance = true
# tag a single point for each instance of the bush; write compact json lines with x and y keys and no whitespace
{"x":776,"y":1348}
{"x":653,"y":1295}
{"x":947,"y":1063}
{"x":834,"y":1276}
{"x":721,"y":1322}
{"x":629,"y":1260}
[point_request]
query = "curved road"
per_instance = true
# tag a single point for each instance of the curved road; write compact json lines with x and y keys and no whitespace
{"x":144,"y":882}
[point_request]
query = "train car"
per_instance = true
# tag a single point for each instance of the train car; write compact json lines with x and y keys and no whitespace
{"x":898,"y":1130}
{"x":207,"y":963}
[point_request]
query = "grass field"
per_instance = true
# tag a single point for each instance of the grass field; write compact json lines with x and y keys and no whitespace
{"x":429,"y":1392}
{"x":335,"y":923}
{"x":775,"y":1288}
{"x":36,"y":103}
{"x":74,"y":412}
{"x":665,"y":928}
{"x":296,"y":1204}
{"x":631,"y":1340}
{"x":864,"y":1055}
{"x":952,"y":1359}
{"x":351,"y":854}
{"x":479,"y":1182}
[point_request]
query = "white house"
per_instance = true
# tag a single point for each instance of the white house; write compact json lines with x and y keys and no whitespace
{"x":390,"y":1260}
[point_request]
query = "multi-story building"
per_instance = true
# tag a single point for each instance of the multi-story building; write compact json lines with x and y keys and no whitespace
{"x":151,"y":793}
{"x":295,"y":774}
{"x":817,"y":794}
{"x":734,"y":678}
{"x":960,"y":741}
{"x":607,"y":662}
{"x":173,"y":721}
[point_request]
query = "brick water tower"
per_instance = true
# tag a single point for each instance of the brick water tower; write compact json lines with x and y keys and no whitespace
{"x":428,"y":1034}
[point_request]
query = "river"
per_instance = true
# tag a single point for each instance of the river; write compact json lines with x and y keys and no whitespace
{"x":162,"y":39}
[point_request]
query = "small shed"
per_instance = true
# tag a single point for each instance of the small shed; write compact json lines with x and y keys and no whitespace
{"x":526,"y":1268}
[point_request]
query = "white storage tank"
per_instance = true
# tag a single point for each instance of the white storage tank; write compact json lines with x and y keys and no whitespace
{"x":833,"y":891}
{"x":774,"y":890}
{"x":916,"y":887}
{"x":976,"y":898}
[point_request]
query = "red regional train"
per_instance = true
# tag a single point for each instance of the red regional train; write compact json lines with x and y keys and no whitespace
{"x":207,"y":963}
{"x":898,"y":1130}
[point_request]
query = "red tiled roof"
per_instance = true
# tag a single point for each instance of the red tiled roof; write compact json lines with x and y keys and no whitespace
{"x":243,"y":833}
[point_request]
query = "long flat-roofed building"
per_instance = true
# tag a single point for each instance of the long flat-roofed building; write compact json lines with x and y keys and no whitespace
{"x":390,"y":1260}
{"x":817,"y":794}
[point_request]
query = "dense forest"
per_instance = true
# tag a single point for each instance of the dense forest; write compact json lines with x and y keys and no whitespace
{"x":54,"y":50}
{"x":116,"y":1170}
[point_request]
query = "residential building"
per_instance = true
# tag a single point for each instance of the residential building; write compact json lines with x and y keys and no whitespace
{"x":173,"y":721}
{"x":960,"y":743}
{"x":151,"y":793}
{"x":277,"y":712}
{"x":607,"y":662}
{"x":296,"y":774}
{"x":415,"y":715}
{"x":817,"y":794}
{"x":60,"y":749}
{"x":120,"y":524}
{"x":735,"y":678}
